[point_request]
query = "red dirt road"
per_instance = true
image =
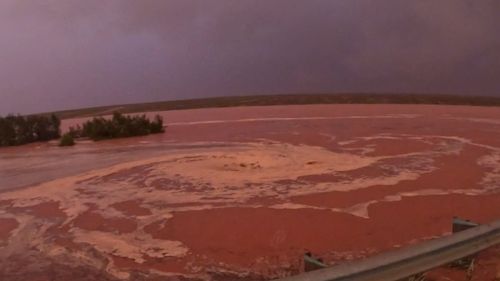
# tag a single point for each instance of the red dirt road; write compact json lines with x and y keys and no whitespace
{"x":242,"y":193}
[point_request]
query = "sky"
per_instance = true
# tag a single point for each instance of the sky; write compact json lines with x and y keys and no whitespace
{"x":63,"y":54}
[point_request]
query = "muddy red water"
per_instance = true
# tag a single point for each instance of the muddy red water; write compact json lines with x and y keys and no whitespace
{"x":242,"y":193}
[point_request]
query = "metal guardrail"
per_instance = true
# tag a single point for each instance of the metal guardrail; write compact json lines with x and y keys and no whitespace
{"x":405,"y":262}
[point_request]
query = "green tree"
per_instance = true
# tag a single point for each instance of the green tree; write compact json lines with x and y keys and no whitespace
{"x":119,"y":126}
{"x":17,"y":130}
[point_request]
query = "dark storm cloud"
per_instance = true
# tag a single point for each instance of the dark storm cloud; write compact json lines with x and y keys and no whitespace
{"x":69,"y":53}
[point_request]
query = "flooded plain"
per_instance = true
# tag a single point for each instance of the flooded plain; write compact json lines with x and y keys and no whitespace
{"x":242,"y":193}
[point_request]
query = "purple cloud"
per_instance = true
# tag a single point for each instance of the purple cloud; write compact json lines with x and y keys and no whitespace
{"x":62,"y":54}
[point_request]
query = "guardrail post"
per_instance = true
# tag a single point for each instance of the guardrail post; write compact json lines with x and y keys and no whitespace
{"x":461,"y":224}
{"x":465,"y":263}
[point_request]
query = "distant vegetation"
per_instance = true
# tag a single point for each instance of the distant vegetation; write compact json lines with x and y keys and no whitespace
{"x":17,"y":130}
{"x":67,"y":140}
{"x":353,"y":98}
{"x":119,"y":126}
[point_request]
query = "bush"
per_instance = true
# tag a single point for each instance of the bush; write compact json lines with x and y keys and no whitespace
{"x":119,"y":126}
{"x":67,"y":140}
{"x":17,"y":130}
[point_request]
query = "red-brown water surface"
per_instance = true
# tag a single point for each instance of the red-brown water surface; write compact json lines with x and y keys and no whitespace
{"x":244,"y":192}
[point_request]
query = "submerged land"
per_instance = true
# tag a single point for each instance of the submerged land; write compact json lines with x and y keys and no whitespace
{"x":240,"y":193}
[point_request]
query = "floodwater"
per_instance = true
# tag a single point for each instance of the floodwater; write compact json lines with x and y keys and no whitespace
{"x":242,"y":193}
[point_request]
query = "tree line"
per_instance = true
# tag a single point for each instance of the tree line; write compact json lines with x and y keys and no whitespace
{"x":119,"y":126}
{"x":17,"y":129}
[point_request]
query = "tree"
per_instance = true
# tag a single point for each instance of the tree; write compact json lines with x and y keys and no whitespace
{"x":119,"y":126}
{"x":17,"y":130}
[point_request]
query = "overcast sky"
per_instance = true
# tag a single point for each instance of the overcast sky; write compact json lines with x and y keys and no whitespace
{"x":60,"y":54}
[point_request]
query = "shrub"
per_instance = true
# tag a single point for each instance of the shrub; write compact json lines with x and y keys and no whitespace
{"x":67,"y":140}
{"x":17,"y":130}
{"x":119,"y":126}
